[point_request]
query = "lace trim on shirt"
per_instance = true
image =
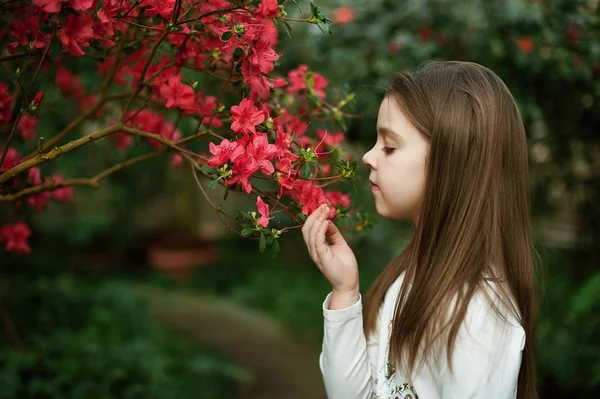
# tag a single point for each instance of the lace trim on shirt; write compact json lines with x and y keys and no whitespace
{"x":403,"y":391}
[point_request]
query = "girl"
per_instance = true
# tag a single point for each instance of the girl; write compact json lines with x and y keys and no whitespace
{"x":453,"y":315}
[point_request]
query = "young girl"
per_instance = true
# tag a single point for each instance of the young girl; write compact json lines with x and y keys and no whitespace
{"x":453,"y":315}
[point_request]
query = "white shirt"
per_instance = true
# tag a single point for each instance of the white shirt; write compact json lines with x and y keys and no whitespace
{"x":486,"y":358}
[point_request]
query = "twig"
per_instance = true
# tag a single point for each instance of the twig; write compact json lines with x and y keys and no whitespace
{"x":57,"y":151}
{"x":25,"y":98}
{"x":12,"y":330}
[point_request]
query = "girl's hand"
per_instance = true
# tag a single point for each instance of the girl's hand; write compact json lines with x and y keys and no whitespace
{"x":336,"y":261}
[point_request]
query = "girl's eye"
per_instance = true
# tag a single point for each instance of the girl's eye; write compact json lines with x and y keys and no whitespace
{"x":387,"y":150}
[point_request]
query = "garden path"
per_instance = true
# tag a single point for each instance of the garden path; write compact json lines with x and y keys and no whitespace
{"x":280,"y":368}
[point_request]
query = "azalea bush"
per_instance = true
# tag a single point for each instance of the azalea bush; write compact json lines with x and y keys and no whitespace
{"x":188,"y":80}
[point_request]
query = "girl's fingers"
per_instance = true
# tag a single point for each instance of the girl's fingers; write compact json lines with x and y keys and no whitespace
{"x":307,"y":226}
{"x":315,"y":228}
{"x":306,"y":230}
{"x":321,"y":246}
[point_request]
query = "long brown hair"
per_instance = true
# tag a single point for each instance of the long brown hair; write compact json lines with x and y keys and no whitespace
{"x":473,"y":221}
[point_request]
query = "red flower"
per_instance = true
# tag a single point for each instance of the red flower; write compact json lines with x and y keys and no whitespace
{"x":394,"y":47}
{"x":244,"y":166}
{"x":12,"y":159}
{"x":76,"y":33}
{"x":268,"y":9}
{"x":285,"y":176}
{"x":176,"y":160}
{"x":262,"y":152}
{"x":330,"y":139}
{"x":338,"y":198}
{"x":15,"y":237}
{"x":206,"y":106}
{"x":164,"y":8}
{"x":38,"y":201}
{"x":263,"y":55}
{"x":27,"y":126}
{"x":263,"y":209}
{"x":5,"y":100}
{"x":222,"y":152}
{"x":245,"y":117}
{"x":69,"y":83}
{"x":573,"y":34}
{"x":425,"y":34}
{"x":34,"y":176}
{"x":37,"y":99}
{"x":525,"y":44}
{"x":49,"y":6}
{"x":343,"y":15}
{"x":62,"y":194}
{"x":309,"y":196}
{"x":178,"y":95}
{"x":297,"y":78}
{"x":52,"y":6}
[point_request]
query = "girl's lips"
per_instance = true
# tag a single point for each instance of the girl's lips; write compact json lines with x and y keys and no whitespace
{"x":375,"y":187}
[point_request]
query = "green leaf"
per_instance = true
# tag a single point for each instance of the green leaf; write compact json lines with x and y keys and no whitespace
{"x":262,"y":243}
{"x":208,"y":169}
{"x":247,"y":231}
{"x":305,"y":172}
{"x":55,"y":50}
{"x":275,"y":248}
{"x":270,"y":240}
{"x":213,"y":184}
{"x":227,"y":35}
{"x":226,"y":193}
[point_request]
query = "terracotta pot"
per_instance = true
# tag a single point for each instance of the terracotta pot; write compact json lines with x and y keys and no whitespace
{"x":178,"y":263}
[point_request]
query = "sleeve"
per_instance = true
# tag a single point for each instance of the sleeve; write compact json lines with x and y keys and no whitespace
{"x":486,"y":358}
{"x":347,"y":361}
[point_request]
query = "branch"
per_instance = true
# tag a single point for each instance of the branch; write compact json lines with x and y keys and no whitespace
{"x":13,"y":57}
{"x":57,"y":151}
{"x":11,"y":330}
{"x":143,"y":75}
{"x":25,"y":97}
{"x":77,"y":121}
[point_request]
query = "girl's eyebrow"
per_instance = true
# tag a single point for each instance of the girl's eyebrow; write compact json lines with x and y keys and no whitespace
{"x":384,"y":131}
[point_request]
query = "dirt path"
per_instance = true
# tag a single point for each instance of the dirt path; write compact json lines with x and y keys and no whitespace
{"x":281,"y":369}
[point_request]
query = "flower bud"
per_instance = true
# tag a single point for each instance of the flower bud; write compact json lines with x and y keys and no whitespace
{"x":269,"y":123}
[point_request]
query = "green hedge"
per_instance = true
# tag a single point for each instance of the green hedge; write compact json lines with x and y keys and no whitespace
{"x":98,"y":340}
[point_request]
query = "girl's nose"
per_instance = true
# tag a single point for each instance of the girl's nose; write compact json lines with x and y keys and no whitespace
{"x":367,"y":160}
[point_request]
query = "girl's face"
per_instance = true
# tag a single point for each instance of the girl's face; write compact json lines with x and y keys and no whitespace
{"x":397,"y":163}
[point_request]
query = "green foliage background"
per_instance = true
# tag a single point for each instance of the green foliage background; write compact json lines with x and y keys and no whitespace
{"x":557,"y":87}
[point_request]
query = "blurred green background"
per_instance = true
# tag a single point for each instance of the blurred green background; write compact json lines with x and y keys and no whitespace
{"x":110,"y":303}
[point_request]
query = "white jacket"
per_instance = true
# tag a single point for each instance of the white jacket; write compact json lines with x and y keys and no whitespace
{"x":486,"y":359}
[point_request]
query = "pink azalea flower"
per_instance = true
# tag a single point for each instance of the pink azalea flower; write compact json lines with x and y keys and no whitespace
{"x":178,"y":94}
{"x":39,"y":201}
{"x":338,"y":198}
{"x":244,"y":166}
{"x":76,"y":33}
{"x":27,"y":126}
{"x":5,"y":100}
{"x":245,"y":117}
{"x":268,"y":9}
{"x":34,"y":176}
{"x":15,"y":237}
{"x":12,"y":159}
{"x":222,"y":152}
{"x":263,"y":55}
{"x":330,"y":139}
{"x":263,"y":209}
{"x":62,"y":194}
{"x":262,"y":152}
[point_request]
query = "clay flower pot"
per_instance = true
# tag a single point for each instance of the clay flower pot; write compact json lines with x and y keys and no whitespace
{"x":178,"y":259}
